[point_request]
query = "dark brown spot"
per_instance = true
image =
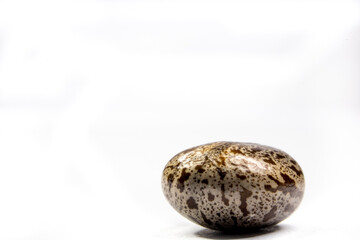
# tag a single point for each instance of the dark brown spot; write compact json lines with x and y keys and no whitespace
{"x":183,"y":177}
{"x":268,"y":159}
{"x":243,"y":197}
{"x":221,"y":173}
{"x":293,"y":161}
{"x":192,"y":203}
{"x":199,"y":169}
{"x":222,"y":160}
{"x":254,"y":150}
{"x":288,"y":186}
{"x":223,"y":198}
{"x":279,"y":156}
{"x":211,"y":197}
{"x":207,"y":221}
{"x":274,"y":179}
{"x":270,"y":214}
{"x":235,"y":151}
{"x":288,"y":180}
{"x":242,"y":177}
{"x":170,"y":180}
{"x":205,"y":181}
{"x":298,"y":172}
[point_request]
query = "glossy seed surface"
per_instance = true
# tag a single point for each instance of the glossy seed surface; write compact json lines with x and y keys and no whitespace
{"x":233,"y":186}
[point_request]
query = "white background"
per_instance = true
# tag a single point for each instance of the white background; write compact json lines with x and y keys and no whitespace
{"x":97,"y":96}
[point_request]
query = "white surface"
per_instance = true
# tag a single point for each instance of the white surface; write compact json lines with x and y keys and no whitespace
{"x":96,"y":97}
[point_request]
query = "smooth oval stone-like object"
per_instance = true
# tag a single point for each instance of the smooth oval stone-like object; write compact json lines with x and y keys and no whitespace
{"x":231,"y":186}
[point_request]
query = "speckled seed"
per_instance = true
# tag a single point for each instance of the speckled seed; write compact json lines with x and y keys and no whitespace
{"x":233,"y":186}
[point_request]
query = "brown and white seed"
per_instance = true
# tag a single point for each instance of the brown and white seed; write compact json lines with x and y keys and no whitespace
{"x":233,"y":186}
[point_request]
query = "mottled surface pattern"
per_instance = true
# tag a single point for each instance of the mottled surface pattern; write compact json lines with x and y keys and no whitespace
{"x":231,"y":186}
